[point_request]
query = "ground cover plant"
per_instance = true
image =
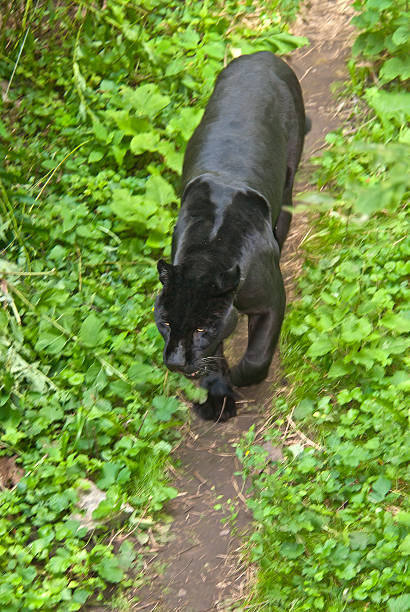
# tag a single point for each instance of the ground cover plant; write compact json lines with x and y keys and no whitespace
{"x":98,"y":101}
{"x":333,"y":519}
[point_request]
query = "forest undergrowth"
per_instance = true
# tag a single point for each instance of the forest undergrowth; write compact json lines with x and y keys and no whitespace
{"x":98,"y":101}
{"x":332,"y":520}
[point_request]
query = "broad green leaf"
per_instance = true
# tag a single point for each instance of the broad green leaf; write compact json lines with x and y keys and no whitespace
{"x":379,"y":490}
{"x":355,"y":329}
{"x":80,"y":596}
{"x":126,"y":555}
{"x":389,"y":104}
{"x":109,"y":569}
{"x":403,"y":518}
{"x":185,"y":122}
{"x":3,"y":132}
{"x":405,"y":545}
{"x":396,"y":322}
{"x":303,"y":409}
{"x":172,"y":157}
{"x":349,"y":270}
{"x":175,"y":66}
{"x":90,"y":330}
{"x":400,"y":380}
{"x":358,"y":540}
{"x":188,"y":39}
{"x":399,"y":604}
{"x":109,"y":474}
{"x":164,"y":407}
{"x":126,"y":206}
{"x":401,"y":35}
{"x":160,"y":191}
{"x":353,"y":455}
{"x":348,"y":572}
{"x":128,"y":123}
{"x":215,"y":49}
{"x":144,"y":375}
{"x":58,"y":253}
{"x":321,"y":346}
{"x":147,"y":141}
{"x":395,"y":67}
{"x":146,"y":100}
{"x":291,"y":550}
{"x":50,"y":339}
{"x":95,"y":156}
{"x":339,"y":369}
{"x":100,"y":131}
{"x":119,"y":153}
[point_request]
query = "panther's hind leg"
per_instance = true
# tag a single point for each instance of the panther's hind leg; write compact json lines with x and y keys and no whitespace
{"x":263,"y":333}
{"x":220,"y":403}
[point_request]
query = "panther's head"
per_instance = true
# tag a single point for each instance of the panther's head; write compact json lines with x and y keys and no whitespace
{"x":194,"y":314}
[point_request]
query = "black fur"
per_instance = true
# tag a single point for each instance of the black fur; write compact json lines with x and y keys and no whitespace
{"x":239,"y":169}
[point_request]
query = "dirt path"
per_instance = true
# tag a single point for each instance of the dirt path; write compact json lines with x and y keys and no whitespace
{"x":201,"y":570}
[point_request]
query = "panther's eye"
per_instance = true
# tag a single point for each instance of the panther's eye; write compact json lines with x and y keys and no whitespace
{"x":199,"y":330}
{"x":166,"y":323}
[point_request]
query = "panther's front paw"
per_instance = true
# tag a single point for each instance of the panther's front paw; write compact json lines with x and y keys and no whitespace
{"x":216,"y":408}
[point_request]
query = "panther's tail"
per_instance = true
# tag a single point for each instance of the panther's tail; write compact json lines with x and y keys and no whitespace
{"x":308,"y":124}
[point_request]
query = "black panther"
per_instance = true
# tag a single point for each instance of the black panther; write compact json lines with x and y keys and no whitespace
{"x":238,"y":174}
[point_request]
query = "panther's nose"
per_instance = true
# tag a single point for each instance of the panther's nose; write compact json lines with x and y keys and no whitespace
{"x":175,"y":359}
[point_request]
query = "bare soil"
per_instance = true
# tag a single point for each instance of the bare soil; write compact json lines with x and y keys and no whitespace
{"x":201,"y":567}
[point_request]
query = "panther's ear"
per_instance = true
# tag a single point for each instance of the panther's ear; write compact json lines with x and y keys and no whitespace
{"x":228,"y":280}
{"x":165,"y":271}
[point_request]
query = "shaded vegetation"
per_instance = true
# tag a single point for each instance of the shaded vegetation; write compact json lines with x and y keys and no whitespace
{"x":98,"y":102}
{"x":333,"y":519}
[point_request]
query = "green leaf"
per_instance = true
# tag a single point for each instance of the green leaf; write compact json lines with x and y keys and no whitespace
{"x":292,"y":550}
{"x":396,"y":322}
{"x":100,"y":131}
{"x":401,"y":35}
{"x":339,"y":369}
{"x":405,"y":545}
{"x":110,"y":472}
{"x":393,"y":68}
{"x":399,"y":604}
{"x":188,"y":39}
{"x":164,"y":407}
{"x":58,"y":253}
{"x":160,"y":191}
{"x":126,"y":555}
{"x":403,"y":518}
{"x":109,"y":569}
{"x":128,"y":123}
{"x":3,"y":132}
{"x":81,"y":595}
{"x":303,"y":409}
{"x":130,"y":208}
{"x":380,"y":489}
{"x":146,"y":100}
{"x":172,"y":157}
{"x":389,"y":105}
{"x":119,"y":153}
{"x":95,"y":156}
{"x":50,"y":339}
{"x":321,"y":346}
{"x":91,"y":330}
{"x":60,"y":562}
{"x":147,"y":141}
{"x":355,"y":329}
{"x":144,"y":375}
{"x":185,"y":122}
